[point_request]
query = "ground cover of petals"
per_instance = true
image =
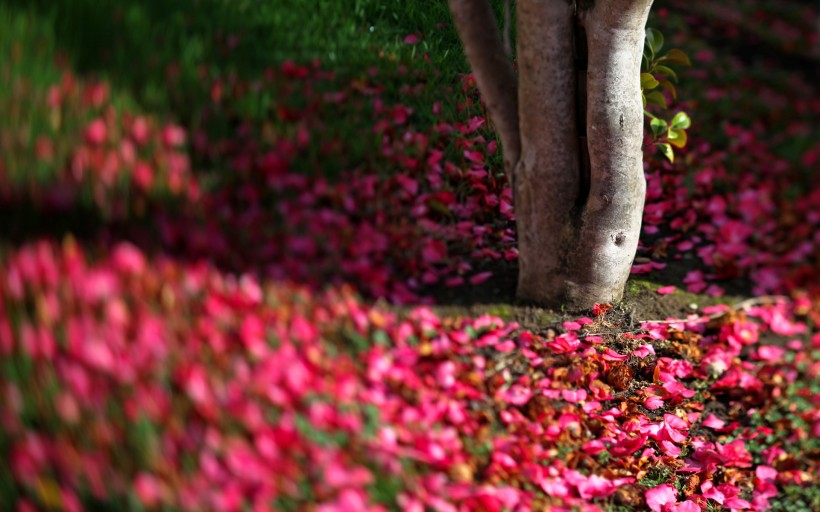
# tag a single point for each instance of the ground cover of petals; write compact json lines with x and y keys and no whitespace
{"x":177,"y":385}
{"x":246,"y":304}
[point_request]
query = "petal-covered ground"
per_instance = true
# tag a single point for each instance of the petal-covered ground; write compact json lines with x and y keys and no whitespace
{"x":423,"y":209}
{"x":187,"y":318}
{"x":179,"y":386}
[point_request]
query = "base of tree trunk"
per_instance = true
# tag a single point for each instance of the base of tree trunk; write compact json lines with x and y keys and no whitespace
{"x":576,"y":138}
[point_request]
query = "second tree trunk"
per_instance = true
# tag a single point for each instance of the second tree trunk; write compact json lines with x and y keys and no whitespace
{"x":579,"y":216}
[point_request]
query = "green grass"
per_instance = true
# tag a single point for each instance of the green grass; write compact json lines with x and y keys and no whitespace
{"x":34,"y":62}
{"x":656,"y":476}
{"x":27,"y":64}
{"x":133,"y":43}
{"x":795,"y":498}
{"x":637,"y":285}
{"x":160,"y":57}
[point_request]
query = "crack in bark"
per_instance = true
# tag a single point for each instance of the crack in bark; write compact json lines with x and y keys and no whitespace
{"x":580,"y":54}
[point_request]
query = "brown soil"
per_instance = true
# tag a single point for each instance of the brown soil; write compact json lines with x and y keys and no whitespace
{"x":641,"y":301}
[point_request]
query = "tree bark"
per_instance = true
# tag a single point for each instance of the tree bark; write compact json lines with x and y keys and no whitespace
{"x":576,"y":148}
{"x":548,"y":175}
{"x":611,"y":219}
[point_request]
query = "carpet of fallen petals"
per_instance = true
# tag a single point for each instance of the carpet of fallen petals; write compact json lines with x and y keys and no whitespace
{"x":178,"y":385}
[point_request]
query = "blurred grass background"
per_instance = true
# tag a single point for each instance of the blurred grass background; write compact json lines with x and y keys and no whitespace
{"x":135,"y":44}
{"x":161,"y":57}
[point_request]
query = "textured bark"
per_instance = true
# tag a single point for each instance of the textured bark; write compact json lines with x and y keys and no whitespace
{"x":547,"y":182}
{"x":493,"y":72}
{"x":611,"y":218}
{"x":579,"y":185}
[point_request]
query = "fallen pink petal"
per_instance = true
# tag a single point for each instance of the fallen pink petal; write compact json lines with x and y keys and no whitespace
{"x":658,"y":498}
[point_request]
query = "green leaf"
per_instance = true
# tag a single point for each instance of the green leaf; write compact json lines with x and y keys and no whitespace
{"x":676,"y":57}
{"x":681,"y":120}
{"x":658,"y":127}
{"x":440,"y":208}
{"x":655,"y":39}
{"x":676,"y":137}
{"x":669,"y":86}
{"x":643,"y":99}
{"x":371,"y":423}
{"x":648,"y":82}
{"x":385,"y":488}
{"x":328,"y":438}
{"x":667,"y":151}
{"x":666,"y":71}
{"x":144,"y":439}
{"x":381,"y":338}
{"x":359,"y":342}
{"x":656,"y":98}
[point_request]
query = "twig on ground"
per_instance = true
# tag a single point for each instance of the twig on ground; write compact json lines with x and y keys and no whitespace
{"x":743,"y":305}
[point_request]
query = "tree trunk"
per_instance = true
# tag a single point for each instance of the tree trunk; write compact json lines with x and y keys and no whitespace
{"x":578,"y":180}
{"x":611,"y":218}
{"x":548,"y":184}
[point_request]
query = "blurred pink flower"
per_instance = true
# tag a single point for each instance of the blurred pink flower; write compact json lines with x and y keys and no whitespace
{"x":515,"y":394}
{"x":659,"y":498}
{"x":96,"y":132}
{"x":173,"y":136}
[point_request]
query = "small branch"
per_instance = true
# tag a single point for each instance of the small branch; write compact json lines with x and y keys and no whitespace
{"x":493,"y":72}
{"x":765,"y":300}
{"x":743,"y":305}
